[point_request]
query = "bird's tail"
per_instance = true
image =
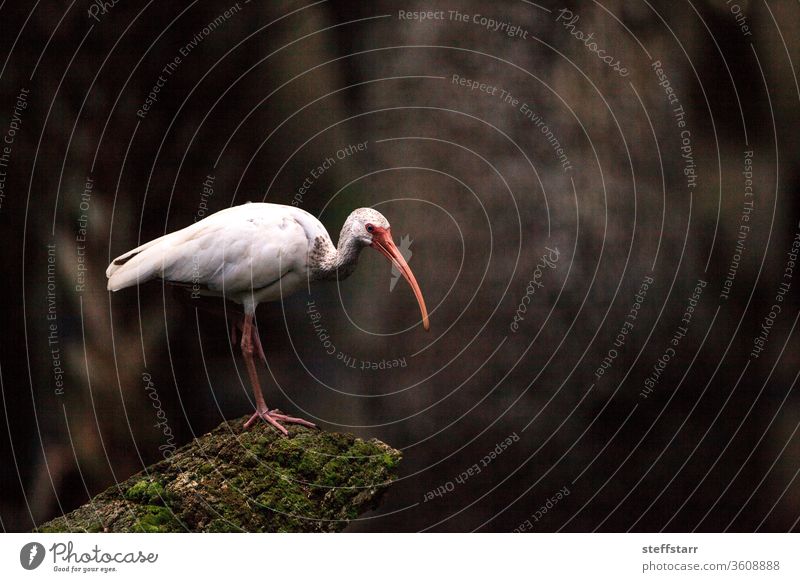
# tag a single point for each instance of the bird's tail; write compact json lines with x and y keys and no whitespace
{"x":139,"y":265}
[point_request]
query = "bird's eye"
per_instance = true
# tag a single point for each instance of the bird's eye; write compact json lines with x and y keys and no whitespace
{"x":370,"y":228}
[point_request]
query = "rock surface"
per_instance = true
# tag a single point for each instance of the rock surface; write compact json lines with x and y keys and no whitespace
{"x":231,"y":480}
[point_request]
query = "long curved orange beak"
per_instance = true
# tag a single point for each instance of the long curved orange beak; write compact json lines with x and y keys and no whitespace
{"x":382,"y":241}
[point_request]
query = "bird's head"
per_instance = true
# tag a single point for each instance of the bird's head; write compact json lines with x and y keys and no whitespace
{"x":369,"y":228}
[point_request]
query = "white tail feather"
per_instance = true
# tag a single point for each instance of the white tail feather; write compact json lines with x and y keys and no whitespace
{"x":140,"y":264}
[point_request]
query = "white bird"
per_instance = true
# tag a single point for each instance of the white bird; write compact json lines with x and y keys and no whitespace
{"x":259,"y":252}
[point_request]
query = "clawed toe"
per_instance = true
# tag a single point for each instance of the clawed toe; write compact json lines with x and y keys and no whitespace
{"x":277,"y":415}
{"x":272,"y":417}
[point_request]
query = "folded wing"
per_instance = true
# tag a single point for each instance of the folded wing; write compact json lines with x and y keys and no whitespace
{"x":235,"y":250}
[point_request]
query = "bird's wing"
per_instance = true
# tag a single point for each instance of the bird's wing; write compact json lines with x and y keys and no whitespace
{"x":234,"y":250}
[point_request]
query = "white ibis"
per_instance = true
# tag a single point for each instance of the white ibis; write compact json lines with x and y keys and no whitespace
{"x":259,"y":252}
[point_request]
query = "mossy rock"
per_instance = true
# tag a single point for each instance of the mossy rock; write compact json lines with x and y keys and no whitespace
{"x":232,"y":480}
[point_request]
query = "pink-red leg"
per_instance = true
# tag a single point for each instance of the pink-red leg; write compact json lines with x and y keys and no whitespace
{"x":251,"y":342}
{"x":237,"y":325}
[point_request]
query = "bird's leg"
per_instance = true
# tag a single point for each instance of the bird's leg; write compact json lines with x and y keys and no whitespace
{"x":257,"y":344}
{"x":237,"y":325}
{"x":249,"y":341}
{"x":211,"y":305}
{"x":247,"y":353}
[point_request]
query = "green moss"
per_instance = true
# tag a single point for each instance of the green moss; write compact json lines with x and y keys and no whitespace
{"x":147,"y":492}
{"x":285,"y":497}
{"x":157,"y":519}
{"x":256,"y":480}
{"x":390,"y":461}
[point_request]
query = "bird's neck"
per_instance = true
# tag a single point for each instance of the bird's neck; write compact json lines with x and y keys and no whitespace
{"x":331,"y":262}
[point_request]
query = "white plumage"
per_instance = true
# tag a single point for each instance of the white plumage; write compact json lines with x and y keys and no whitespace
{"x":232,"y":252}
{"x":254,"y":253}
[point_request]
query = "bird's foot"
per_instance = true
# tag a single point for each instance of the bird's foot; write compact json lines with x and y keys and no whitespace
{"x":274,"y":418}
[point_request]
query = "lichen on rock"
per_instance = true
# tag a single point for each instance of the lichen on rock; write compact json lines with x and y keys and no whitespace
{"x":232,"y":480}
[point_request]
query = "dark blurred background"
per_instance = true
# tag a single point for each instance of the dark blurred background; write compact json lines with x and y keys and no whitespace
{"x":581,"y":159}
